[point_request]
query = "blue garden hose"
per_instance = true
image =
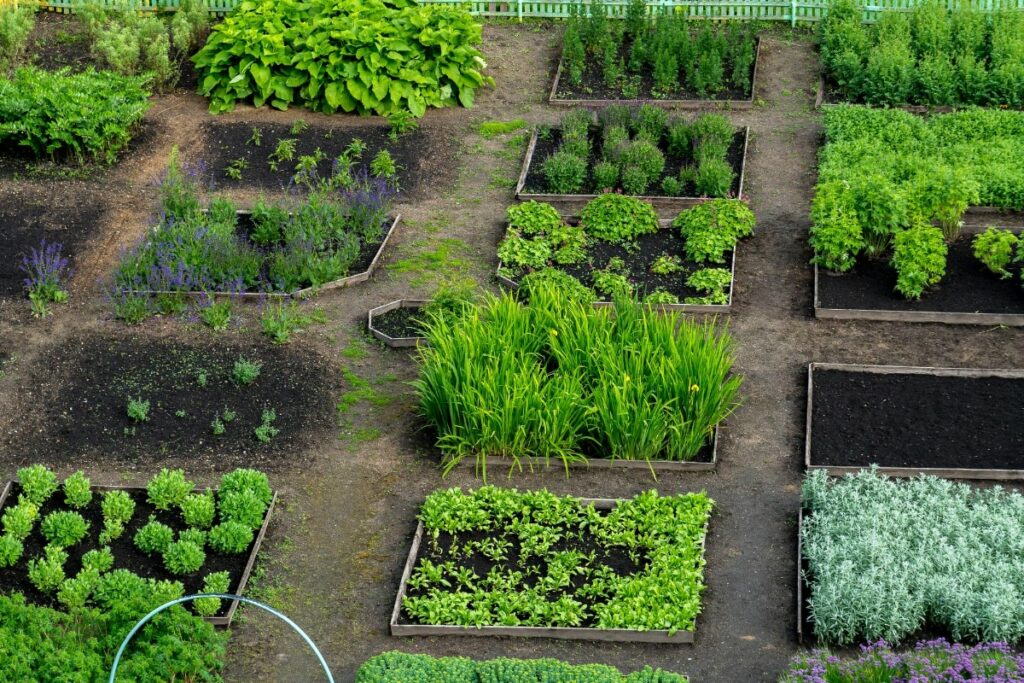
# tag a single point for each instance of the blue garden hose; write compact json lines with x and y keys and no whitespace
{"x":223,"y":596}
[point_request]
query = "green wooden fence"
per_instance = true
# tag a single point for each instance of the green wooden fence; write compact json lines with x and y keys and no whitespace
{"x":792,"y":11}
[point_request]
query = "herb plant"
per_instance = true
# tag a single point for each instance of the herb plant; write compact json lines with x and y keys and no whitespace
{"x":11,"y":549}
{"x":618,"y":218}
{"x":995,"y":249}
{"x":47,"y":572}
{"x":46,"y":275}
{"x":713,"y":228}
{"x":137,"y":409}
{"x":246,"y":371}
{"x":217,"y":582}
{"x":168,"y":489}
{"x":37,"y":483}
{"x":266,"y":430}
{"x":231,"y":538}
{"x":183,"y":557}
{"x":77,"y":490}
{"x":19,"y":520}
{"x":919,"y":256}
{"x":154,"y":537}
{"x":64,"y":528}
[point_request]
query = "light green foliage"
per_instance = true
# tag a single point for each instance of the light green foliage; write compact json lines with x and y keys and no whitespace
{"x":244,"y":479}
{"x":660,"y":296}
{"x":217,"y":582}
{"x":230,"y":538}
{"x":612,"y":283}
{"x":550,"y":239}
{"x":168,"y":489}
{"x":485,"y":387}
{"x":246,"y":371}
{"x":266,"y":430}
{"x":37,"y":483}
{"x":516,"y":251}
{"x":533,"y":218}
{"x":100,"y":560}
{"x":194,"y":536}
{"x":47,"y":571}
{"x":20,"y":519}
{"x":154,"y":537}
{"x":280,"y":321}
{"x":87,"y":116}
{"x":183,"y":557}
{"x":64,"y":528}
{"x":118,"y":508}
{"x":995,"y":248}
{"x":16,"y":24}
{"x":359,"y":56}
{"x":133,"y":43}
{"x":399,"y":667}
{"x":137,"y":409}
{"x":566,"y":285}
{"x":75,"y":592}
{"x":199,"y":509}
{"x":244,"y":507}
{"x":713,"y":178}
{"x":713,"y":228}
{"x":492,"y":129}
{"x":383,"y":165}
{"x":713,"y":283}
{"x":77,"y":490}
{"x":618,"y":218}
{"x":919,"y":257}
{"x":662,"y":534}
{"x":11,"y":549}
{"x":888,"y":558}
{"x":666,"y":264}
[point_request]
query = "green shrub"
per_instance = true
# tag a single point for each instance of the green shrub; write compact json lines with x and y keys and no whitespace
{"x":64,"y":528}
{"x":995,"y":249}
{"x":11,"y":549}
{"x":20,"y":519}
{"x":713,"y":283}
{"x":618,"y":218}
{"x":533,"y":218}
{"x":38,"y":483}
{"x":198,"y":510}
{"x":935,"y":80}
{"x":645,"y":158}
{"x":88,"y":116}
{"x":183,"y":557}
{"x":230,"y":538}
{"x":606,"y":176}
{"x":359,"y":56}
{"x":168,"y":489}
{"x":565,"y":172}
{"x":714,"y":178}
{"x":919,"y":257}
{"x":514,"y":251}
{"x":217,"y":582}
{"x":649,"y":123}
{"x":77,"y":490}
{"x":399,"y":667}
{"x":16,"y":24}
{"x":154,"y":537}
{"x":246,"y":371}
{"x":99,"y":560}
{"x":118,"y":508}
{"x":713,"y":228}
{"x":244,"y":507}
{"x":47,"y":572}
{"x":837,"y":239}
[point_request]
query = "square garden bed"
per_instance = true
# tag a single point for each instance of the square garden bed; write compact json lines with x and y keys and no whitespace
{"x":63,"y":538}
{"x":672,"y":163}
{"x":77,"y":397}
{"x":969,"y":293}
{"x":951,"y":422}
{"x":501,"y":562}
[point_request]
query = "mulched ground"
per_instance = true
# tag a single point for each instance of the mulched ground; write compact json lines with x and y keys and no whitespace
{"x":126,"y":553}
{"x":967,"y":287}
{"x":547,"y":145}
{"x":399,"y":323}
{"x":917,"y":421}
{"x":226,"y":143}
{"x":77,"y":402}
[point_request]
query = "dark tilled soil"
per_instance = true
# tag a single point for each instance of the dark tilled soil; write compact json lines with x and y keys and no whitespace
{"x":399,"y":323}
{"x":60,"y":41}
{"x":594,"y":87}
{"x":967,"y":287}
{"x":863,"y":418}
{"x":545,"y":147}
{"x":638,"y":262}
{"x":28,"y":217}
{"x":225,"y":143}
{"x":76,"y":403}
{"x":126,"y":553}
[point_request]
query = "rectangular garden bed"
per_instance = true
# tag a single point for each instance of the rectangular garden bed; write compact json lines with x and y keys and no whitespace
{"x":950,"y":422}
{"x":400,"y":625}
{"x":731,"y":102}
{"x":530,"y":176}
{"x":706,"y":461}
{"x":967,"y":295}
{"x":128,"y":556}
{"x":650,"y":246}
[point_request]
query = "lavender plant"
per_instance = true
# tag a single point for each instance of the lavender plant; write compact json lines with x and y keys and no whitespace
{"x":46,"y":274}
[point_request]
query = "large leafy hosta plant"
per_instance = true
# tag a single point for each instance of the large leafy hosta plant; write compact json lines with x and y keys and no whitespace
{"x":359,"y":56}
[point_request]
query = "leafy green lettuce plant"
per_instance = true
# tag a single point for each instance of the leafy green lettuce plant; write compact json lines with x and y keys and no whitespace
{"x":356,"y":56}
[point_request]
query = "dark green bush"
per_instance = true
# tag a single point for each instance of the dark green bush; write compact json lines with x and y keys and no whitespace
{"x":565,"y":172}
{"x":359,"y":56}
{"x":618,"y":218}
{"x":714,"y":178}
{"x":87,"y":116}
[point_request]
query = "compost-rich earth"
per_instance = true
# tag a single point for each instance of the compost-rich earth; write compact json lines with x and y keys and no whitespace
{"x":548,"y":144}
{"x":904,"y":420}
{"x":26,"y":219}
{"x":76,"y":409}
{"x":228,"y":143}
{"x":126,"y":554}
{"x":399,"y":323}
{"x":638,"y":258}
{"x":967,"y":287}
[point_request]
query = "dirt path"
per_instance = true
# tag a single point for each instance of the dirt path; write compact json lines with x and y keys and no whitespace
{"x":348,"y":503}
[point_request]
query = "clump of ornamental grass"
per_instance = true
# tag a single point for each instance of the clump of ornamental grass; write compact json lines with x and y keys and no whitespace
{"x":507,"y":380}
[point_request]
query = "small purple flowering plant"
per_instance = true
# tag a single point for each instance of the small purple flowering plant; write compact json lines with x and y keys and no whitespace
{"x":46,"y":274}
{"x":931,"y":661}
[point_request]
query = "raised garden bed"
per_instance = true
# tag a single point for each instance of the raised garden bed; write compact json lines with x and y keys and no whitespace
{"x":236,"y":160}
{"x":126,"y":553}
{"x":74,"y":408}
{"x":968,"y":294}
{"x":531,"y":183}
{"x":554,"y":539}
{"x":395,"y":323}
{"x":950,"y":422}
{"x":904,"y":560}
{"x":733,"y":99}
